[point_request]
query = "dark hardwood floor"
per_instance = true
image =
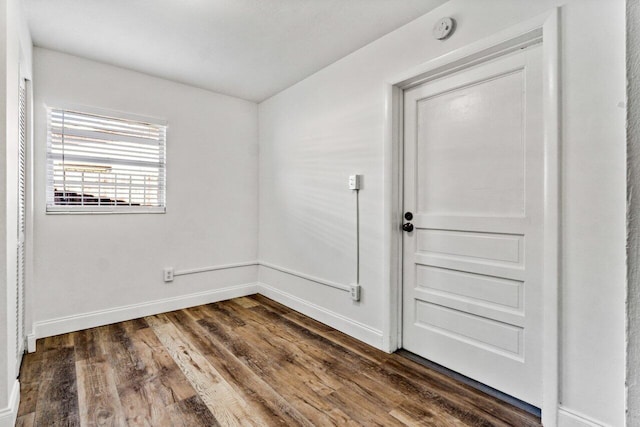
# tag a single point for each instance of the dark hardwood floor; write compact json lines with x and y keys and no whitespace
{"x":247,"y":361}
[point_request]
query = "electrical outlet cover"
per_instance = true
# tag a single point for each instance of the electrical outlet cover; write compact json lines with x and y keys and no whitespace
{"x":355,"y":292}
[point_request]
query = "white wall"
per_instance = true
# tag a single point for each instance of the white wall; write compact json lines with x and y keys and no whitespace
{"x":88,"y":263}
{"x":15,"y":54}
{"x":314,"y":134}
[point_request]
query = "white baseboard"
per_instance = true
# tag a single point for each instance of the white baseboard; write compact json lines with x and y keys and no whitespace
{"x":9,"y":414}
{"x":337,"y":321}
{"x":31,"y":342}
{"x":92,"y":319}
{"x":570,"y":418}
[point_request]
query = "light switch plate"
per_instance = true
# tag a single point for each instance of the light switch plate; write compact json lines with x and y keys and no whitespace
{"x":354,"y":182}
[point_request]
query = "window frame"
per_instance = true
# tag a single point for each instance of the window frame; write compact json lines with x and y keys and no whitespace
{"x":52,"y":209}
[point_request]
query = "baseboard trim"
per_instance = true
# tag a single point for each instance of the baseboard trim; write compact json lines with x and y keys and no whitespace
{"x":31,"y":342}
{"x":63,"y":325}
{"x":570,"y":418}
{"x":337,"y":321}
{"x":9,"y":414}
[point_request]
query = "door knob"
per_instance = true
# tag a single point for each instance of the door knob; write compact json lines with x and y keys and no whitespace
{"x":407,"y":227}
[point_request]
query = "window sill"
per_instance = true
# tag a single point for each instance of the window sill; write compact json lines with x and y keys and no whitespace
{"x":78,"y":210}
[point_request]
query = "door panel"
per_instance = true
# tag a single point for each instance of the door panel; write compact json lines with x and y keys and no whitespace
{"x":460,"y":165}
{"x":473,"y":179}
{"x":486,"y":246}
{"x":471,"y":287}
{"x":477,"y":330}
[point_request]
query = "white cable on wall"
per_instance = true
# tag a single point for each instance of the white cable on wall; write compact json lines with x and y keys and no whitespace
{"x":357,"y":237}
{"x":214,"y":268}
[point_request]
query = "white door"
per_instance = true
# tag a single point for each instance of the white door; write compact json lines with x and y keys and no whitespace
{"x":473,"y":182}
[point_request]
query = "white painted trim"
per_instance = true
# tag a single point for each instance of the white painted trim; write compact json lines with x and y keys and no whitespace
{"x":545,"y":29}
{"x":570,"y":418}
{"x":485,"y":53}
{"x":92,"y":319}
{"x":337,"y":321}
{"x":552,"y":203}
{"x":318,"y":280}
{"x":214,"y":268}
{"x":31,"y":342}
{"x":473,"y":53}
{"x":9,"y":414}
{"x":393,"y":167}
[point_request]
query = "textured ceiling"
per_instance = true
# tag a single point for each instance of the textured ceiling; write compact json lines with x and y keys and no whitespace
{"x":251,"y":49}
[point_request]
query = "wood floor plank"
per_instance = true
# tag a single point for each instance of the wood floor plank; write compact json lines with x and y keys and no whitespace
{"x":27,"y":420}
{"x":224,"y":403}
{"x":32,"y":365}
{"x":191,"y":412}
{"x":246,"y":302}
{"x":86,"y":343}
{"x":28,"y":398}
{"x":97,"y":394}
{"x":57,"y":403}
{"x":170,"y":385}
{"x":57,"y":342}
{"x":140,"y":397}
{"x":30,"y":382}
{"x":247,"y":361}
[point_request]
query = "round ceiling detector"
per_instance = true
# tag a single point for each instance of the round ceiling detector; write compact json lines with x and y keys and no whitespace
{"x":443,"y":28}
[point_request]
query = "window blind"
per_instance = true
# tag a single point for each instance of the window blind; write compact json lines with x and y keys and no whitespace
{"x":22,"y":199}
{"x":98,"y":163}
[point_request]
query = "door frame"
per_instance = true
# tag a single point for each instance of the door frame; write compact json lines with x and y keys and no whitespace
{"x":542,"y":30}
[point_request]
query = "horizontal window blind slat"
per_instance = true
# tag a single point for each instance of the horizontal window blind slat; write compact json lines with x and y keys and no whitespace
{"x":58,"y":140}
{"x":105,"y":186}
{"x":69,"y":176}
{"x":67,"y":152}
{"x":104,"y":121}
{"x":103,"y":135}
{"x":71,"y":158}
{"x":149,"y":133}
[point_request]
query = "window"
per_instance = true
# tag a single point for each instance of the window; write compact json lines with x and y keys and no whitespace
{"x":101,"y":163}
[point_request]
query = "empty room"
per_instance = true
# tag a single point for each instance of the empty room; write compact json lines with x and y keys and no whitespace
{"x":320,"y":212}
